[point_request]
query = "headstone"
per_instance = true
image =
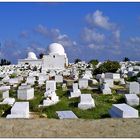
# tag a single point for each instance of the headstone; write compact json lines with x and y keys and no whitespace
{"x":25,"y":92}
{"x":59,"y":78}
{"x":51,"y":85}
{"x":75,"y":91}
{"x":106,"y":89}
{"x":19,"y":110}
{"x":86,"y":102}
{"x":110,"y":82}
{"x":122,"y":81}
{"x":5,"y":94}
{"x":123,"y":111}
{"x":134,"y":88}
{"x":132,"y":99}
{"x":30,"y":80}
{"x":83,"y":83}
{"x":64,"y":86}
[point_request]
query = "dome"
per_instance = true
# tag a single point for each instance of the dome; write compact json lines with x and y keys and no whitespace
{"x":31,"y":55}
{"x":56,"y":48}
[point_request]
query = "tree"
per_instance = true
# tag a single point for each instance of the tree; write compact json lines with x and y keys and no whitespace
{"x":126,"y":59}
{"x":41,"y":55}
{"x":94,"y":62}
{"x":108,"y":66}
{"x":4,"y":62}
{"x":77,"y":60}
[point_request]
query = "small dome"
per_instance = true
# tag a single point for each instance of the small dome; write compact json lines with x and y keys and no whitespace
{"x":56,"y":48}
{"x":31,"y":55}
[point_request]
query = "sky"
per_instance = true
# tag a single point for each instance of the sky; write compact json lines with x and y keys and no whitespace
{"x":87,"y":30}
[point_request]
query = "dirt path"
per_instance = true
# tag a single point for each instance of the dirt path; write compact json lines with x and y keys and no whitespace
{"x":69,"y":128}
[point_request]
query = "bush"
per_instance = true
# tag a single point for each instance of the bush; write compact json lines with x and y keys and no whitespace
{"x":13,"y":75}
{"x":108,"y":66}
{"x":4,"y":110}
{"x":94,"y":62}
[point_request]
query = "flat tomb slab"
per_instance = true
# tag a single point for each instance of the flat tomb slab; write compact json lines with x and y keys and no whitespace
{"x":66,"y":115}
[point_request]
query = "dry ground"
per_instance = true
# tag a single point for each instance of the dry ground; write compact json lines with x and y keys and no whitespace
{"x":69,"y":128}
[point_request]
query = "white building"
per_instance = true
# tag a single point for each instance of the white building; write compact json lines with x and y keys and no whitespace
{"x":30,"y":60}
{"x":56,"y":58}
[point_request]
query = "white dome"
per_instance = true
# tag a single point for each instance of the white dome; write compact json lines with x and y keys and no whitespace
{"x":31,"y":55}
{"x":56,"y":48}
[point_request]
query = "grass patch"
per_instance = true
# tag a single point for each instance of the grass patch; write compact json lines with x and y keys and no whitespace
{"x":103,"y":104}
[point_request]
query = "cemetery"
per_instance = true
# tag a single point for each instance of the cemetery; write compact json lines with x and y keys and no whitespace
{"x":49,"y":88}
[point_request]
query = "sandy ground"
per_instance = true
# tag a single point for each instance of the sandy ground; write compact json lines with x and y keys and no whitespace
{"x":69,"y":128}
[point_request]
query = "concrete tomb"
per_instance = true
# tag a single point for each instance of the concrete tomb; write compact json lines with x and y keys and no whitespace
{"x":132,"y":99}
{"x":123,"y":111}
{"x":25,"y":92}
{"x":105,"y":89}
{"x":19,"y":110}
{"x":59,"y":78}
{"x":83,"y":83}
{"x":51,"y":85}
{"x":134,"y":88}
{"x":30,"y":80}
{"x":86,"y":102}
{"x":75,"y":91}
{"x":66,"y":115}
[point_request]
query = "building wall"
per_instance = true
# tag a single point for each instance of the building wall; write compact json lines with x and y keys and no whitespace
{"x":53,"y":61}
{"x":30,"y":62}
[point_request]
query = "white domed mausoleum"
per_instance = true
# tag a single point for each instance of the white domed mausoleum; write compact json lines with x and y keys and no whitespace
{"x":56,"y":48}
{"x":56,"y":58}
{"x":32,"y":56}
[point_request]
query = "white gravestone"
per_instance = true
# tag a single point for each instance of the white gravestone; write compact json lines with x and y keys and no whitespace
{"x":19,"y":110}
{"x":59,"y":78}
{"x":106,"y":89}
{"x":123,"y":111}
{"x":25,"y":92}
{"x":134,"y":88}
{"x":75,"y":91}
{"x":86,"y":102}
{"x":132,"y":99}
{"x":51,"y":85}
{"x":83,"y":83}
{"x":66,"y":115}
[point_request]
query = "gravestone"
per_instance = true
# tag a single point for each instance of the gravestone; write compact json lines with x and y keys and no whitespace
{"x":66,"y":115}
{"x":59,"y":78}
{"x":19,"y":110}
{"x":75,"y":91}
{"x":134,"y":88}
{"x":123,"y":111}
{"x":25,"y":92}
{"x":132,"y":99}
{"x":83,"y":83}
{"x":51,"y":85}
{"x":86,"y":102}
{"x":105,"y":89}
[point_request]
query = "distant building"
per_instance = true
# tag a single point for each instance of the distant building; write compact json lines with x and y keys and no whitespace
{"x":55,"y":59}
